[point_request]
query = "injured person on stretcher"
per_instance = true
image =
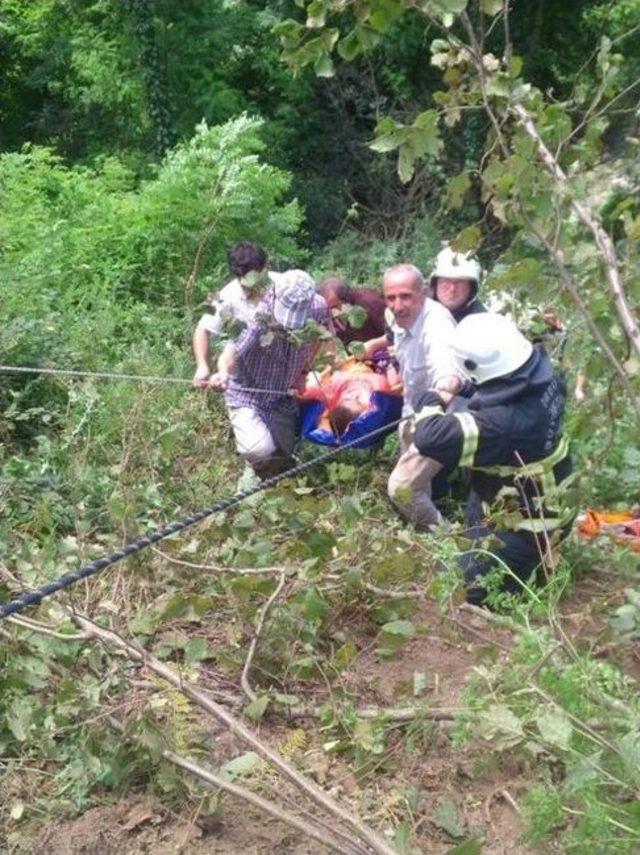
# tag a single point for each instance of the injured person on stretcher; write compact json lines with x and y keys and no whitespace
{"x":347,"y":394}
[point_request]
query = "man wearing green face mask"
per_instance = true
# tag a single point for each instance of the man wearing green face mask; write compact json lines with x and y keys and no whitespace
{"x":237,"y":301}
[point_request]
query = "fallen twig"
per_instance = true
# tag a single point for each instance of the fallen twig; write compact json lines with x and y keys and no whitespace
{"x":43,"y":629}
{"x":543,"y":660}
{"x":236,"y":726}
{"x":269,"y":807}
{"x":244,"y":679}
{"x":473,"y":631}
{"x":485,"y":614}
{"x":506,"y":795}
{"x":389,"y":713}
{"x":218,"y":568}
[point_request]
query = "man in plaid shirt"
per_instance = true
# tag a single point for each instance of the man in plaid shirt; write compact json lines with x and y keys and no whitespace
{"x":259,"y":369}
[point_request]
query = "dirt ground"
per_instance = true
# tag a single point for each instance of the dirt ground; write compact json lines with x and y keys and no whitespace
{"x":483,"y":794}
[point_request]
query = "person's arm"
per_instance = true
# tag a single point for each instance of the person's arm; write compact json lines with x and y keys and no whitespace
{"x":201,"y":354}
{"x":209,"y":324}
{"x":373,"y":345}
{"x":226,"y":364}
{"x":438,"y":330}
{"x":439,"y":435}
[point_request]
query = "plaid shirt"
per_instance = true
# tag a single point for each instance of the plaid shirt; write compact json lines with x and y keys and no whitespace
{"x":275,"y":364}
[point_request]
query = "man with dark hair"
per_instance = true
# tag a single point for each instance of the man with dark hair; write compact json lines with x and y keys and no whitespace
{"x":246,"y":256}
{"x":338,"y":293}
{"x":237,"y":301}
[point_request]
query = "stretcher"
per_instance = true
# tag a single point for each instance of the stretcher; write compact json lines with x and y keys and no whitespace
{"x":382,"y":406}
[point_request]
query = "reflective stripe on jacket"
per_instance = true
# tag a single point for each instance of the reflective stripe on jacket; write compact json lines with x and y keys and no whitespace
{"x":511,"y":440}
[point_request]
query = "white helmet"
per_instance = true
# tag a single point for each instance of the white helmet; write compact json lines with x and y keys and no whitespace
{"x":456,"y":265}
{"x":486,"y":346}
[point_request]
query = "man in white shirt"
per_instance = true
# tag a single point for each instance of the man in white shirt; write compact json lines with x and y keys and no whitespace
{"x":419,"y":329}
{"x":237,"y":301}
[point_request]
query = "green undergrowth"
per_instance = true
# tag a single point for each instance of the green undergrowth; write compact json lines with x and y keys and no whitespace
{"x":96,"y":275}
{"x":124,"y":459}
{"x":571,"y":722}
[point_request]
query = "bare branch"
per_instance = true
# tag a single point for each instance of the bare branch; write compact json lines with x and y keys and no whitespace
{"x":269,"y":807}
{"x":571,"y":287}
{"x":219,"y":568}
{"x":43,"y":629}
{"x":244,"y":680}
{"x":236,"y":726}
{"x":602,"y":239}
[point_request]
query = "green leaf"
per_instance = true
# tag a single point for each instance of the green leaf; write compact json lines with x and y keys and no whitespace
{"x":355,"y":316}
{"x":314,"y":606}
{"x":316,"y":14}
{"x":150,"y":735}
{"x":425,"y":136}
{"x":555,"y":727}
{"x":630,"y":753}
{"x":456,"y":191}
{"x":323,"y":66}
{"x":19,"y":717}
{"x":467,"y":240}
{"x":351,"y":508}
{"x":472,"y":846}
{"x":17,"y":810}
{"x":369,"y":736}
{"x":403,"y":628}
{"x":393,"y":635}
{"x":454,"y":7}
{"x":320,"y":542}
{"x":448,"y":818}
{"x":344,"y":655}
{"x":256,"y":709}
{"x":384,"y":14}
{"x":502,"y":727}
{"x":515,"y":66}
{"x":583,"y":772}
{"x":406,"y":161}
{"x":241,"y":766}
{"x":386,"y":142}
{"x":402,"y":838}
{"x":350,"y":47}
{"x":491,"y":7}
{"x":195,"y":650}
{"x":420,"y":683}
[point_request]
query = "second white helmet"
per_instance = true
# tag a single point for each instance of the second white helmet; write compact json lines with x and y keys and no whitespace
{"x":486,"y":346}
{"x":455,"y":265}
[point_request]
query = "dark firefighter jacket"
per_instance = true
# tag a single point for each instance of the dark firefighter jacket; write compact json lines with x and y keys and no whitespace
{"x":511,"y":439}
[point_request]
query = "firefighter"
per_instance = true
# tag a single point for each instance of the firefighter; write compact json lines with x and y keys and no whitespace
{"x":511,"y":440}
{"x":454,"y":283}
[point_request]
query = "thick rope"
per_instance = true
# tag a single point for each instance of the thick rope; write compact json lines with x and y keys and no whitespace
{"x":32,"y":598}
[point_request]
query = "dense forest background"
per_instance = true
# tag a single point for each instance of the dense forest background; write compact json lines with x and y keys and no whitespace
{"x":138,"y":139}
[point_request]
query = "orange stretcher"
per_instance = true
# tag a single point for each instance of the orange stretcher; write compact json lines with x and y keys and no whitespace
{"x":623,"y":526}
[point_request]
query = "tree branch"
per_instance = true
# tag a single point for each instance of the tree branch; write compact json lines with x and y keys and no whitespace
{"x":236,"y":726}
{"x":244,"y":679}
{"x":587,"y":217}
{"x":269,"y":807}
{"x":571,"y":287}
